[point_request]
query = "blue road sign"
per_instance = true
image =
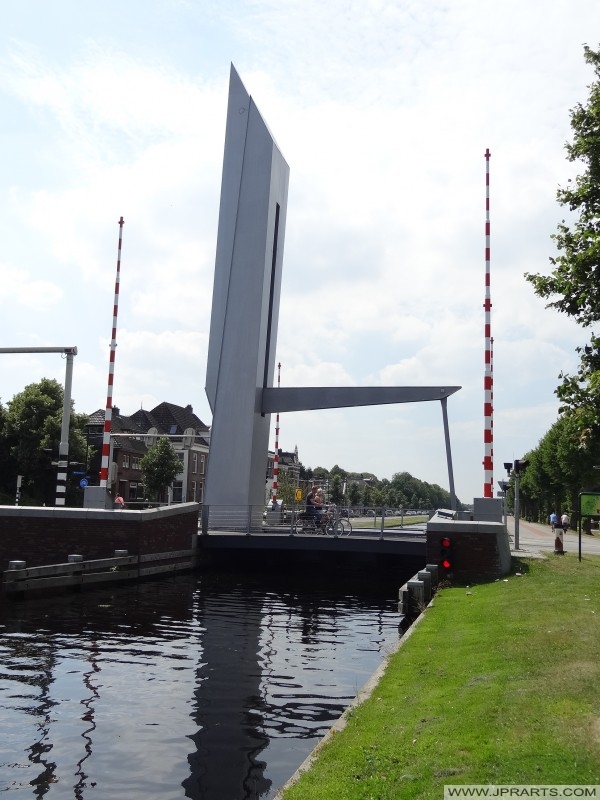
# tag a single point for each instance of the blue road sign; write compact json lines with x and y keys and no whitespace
{"x":83,"y":483}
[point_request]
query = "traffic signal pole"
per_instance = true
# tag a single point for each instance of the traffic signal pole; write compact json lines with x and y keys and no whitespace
{"x":517,"y":509}
{"x":519,"y":465}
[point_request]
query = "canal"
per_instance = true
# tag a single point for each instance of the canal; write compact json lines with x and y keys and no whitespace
{"x":213,"y":686}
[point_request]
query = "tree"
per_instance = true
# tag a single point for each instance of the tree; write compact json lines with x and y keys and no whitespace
{"x":335,"y":489}
{"x":8,"y":467}
{"x":286,"y":488}
{"x":354,"y":494}
{"x":573,"y":287}
{"x":32,"y":429}
{"x":367,"y":495}
{"x":160,"y":466}
{"x":320,"y":474}
{"x":559,"y":468}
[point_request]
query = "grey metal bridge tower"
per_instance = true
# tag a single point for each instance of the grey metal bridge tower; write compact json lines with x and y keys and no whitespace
{"x":245,"y":313}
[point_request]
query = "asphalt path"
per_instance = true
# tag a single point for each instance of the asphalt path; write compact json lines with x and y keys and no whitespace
{"x":536,"y":540}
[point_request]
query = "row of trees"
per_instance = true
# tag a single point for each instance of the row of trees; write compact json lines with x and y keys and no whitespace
{"x":365,"y":489}
{"x":560,"y":467}
{"x":563,"y":463}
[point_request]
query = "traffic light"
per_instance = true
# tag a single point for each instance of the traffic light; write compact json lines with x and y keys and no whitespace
{"x":520,"y":465}
{"x":446,"y":553}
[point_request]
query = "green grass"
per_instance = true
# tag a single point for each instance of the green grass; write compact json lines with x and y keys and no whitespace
{"x":498,"y":683}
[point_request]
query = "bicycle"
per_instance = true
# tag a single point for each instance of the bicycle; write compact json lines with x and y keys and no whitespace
{"x":326,"y":525}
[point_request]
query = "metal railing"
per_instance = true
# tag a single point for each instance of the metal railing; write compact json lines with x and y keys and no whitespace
{"x":262,"y":520}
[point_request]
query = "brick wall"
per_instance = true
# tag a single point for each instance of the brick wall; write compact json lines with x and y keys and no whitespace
{"x":478,"y":551}
{"x":42,"y":536}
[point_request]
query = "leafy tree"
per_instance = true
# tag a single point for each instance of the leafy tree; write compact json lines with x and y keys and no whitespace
{"x":354,"y":494}
{"x":573,"y":287}
{"x":559,"y":468}
{"x":337,"y":470}
{"x":305,"y":473}
{"x":378,"y":497}
{"x":31,"y":431}
{"x":335,"y":489}
{"x":286,"y":488}
{"x":320,"y":474}
{"x":367,"y":495}
{"x":160,"y":466}
{"x":8,"y":467}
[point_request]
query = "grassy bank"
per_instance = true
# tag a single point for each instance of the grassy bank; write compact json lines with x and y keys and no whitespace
{"x":499,"y":683}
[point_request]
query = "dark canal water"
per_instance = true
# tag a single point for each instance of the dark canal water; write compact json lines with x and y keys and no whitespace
{"x":213,"y":686}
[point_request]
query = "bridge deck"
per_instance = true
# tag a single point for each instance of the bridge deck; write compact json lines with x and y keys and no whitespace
{"x":400,"y":542}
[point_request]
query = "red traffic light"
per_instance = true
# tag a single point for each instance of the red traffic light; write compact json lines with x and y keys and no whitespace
{"x":445,"y":547}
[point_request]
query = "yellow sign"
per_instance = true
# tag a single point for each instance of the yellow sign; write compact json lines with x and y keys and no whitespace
{"x":298,"y":494}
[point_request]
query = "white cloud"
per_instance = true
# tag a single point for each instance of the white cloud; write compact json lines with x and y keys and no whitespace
{"x":383,"y":111}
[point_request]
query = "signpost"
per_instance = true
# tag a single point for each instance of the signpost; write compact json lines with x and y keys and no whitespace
{"x":589,"y":506}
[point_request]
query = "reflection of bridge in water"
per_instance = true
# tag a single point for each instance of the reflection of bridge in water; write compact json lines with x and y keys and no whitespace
{"x":222,"y":682}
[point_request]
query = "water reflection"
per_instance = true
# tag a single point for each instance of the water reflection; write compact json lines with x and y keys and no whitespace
{"x":213,"y":688}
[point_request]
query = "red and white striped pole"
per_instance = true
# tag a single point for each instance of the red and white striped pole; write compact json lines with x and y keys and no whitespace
{"x":111,"y":371}
{"x":276,"y":457}
{"x":488,"y":381}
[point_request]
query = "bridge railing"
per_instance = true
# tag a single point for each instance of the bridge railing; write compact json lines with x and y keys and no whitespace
{"x":248,"y":519}
{"x":268,"y":520}
{"x":239,"y":519}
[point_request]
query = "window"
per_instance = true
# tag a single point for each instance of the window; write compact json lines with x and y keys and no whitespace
{"x":202,"y":463}
{"x":177,"y":491}
{"x":193,"y":491}
{"x":194,"y":462}
{"x":125,"y":462}
{"x":135,"y":462}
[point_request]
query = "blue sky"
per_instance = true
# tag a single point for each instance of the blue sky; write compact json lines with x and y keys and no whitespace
{"x":383,"y":111}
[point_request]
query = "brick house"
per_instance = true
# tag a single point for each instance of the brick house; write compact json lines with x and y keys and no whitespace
{"x":131,"y":436}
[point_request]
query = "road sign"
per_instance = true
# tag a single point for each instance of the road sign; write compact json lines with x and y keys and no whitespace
{"x":298,"y":494}
{"x":83,"y":483}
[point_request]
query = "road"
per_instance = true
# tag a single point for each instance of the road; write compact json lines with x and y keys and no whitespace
{"x":535,"y":539}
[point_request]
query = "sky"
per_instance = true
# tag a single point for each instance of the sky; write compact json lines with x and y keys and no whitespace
{"x":383,"y":111}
